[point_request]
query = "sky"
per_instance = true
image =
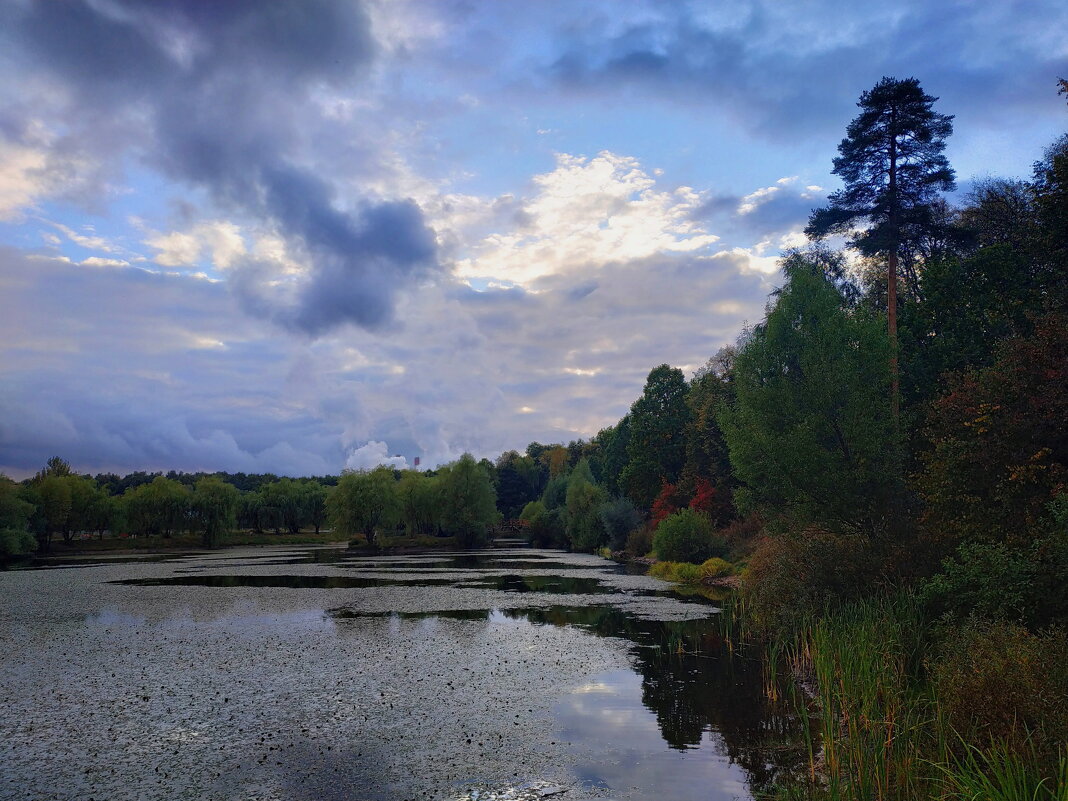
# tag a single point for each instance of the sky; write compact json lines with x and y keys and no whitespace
{"x":305,"y":235}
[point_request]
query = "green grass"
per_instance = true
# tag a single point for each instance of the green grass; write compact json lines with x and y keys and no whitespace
{"x":999,"y":774}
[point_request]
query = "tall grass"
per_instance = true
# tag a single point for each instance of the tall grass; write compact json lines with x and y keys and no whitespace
{"x":879,"y":734}
{"x":874,"y":717}
{"x":1001,"y":774}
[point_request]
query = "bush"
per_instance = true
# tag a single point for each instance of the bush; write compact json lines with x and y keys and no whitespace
{"x":546,"y":528}
{"x":686,"y":536}
{"x":716,"y":567}
{"x":793,"y":576}
{"x":742,"y":532}
{"x":997,"y":682}
{"x":639,"y":542}
{"x":14,"y":542}
{"x":998,"y":581}
{"x":619,"y":518}
{"x":532,"y":511}
{"x":682,"y":572}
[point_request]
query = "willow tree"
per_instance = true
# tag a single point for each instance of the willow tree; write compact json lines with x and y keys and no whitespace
{"x":892,"y":164}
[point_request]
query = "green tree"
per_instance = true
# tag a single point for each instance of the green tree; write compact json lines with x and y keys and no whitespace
{"x":545,"y":527}
{"x":583,"y":500}
{"x":55,"y":466}
{"x":160,"y":508}
{"x":418,"y":497}
{"x":312,"y":499}
{"x":214,"y":507}
{"x":15,"y":513}
{"x":284,"y":496}
{"x":54,"y":493}
{"x":893,"y":168}
{"x":517,"y":483}
{"x":468,"y":502}
{"x":656,"y":449}
{"x":616,"y":440}
{"x":364,"y":502}
{"x":707,"y":456}
{"x":1051,"y":206}
{"x":555,"y":495}
{"x":810,"y":432}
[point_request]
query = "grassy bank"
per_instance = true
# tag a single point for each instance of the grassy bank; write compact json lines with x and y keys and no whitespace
{"x":898,"y":704}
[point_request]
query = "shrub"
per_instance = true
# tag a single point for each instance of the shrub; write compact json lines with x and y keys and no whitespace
{"x":743,"y":531}
{"x":998,"y":581}
{"x":793,"y":576}
{"x":991,"y":580}
{"x":639,"y":542}
{"x":532,"y":511}
{"x":686,"y":536}
{"x":715,"y":567}
{"x":686,"y":573}
{"x":619,"y":518}
{"x":14,"y":542}
{"x":546,"y":528}
{"x":999,"y":683}
{"x":662,"y":570}
{"x":682,"y":572}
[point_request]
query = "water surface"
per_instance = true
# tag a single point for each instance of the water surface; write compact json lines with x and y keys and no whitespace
{"x":315,"y":673}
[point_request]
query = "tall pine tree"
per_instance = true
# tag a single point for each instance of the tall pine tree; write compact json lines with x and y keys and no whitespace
{"x":893,"y":168}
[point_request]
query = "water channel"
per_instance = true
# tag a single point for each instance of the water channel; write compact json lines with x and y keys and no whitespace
{"x":317,"y":673}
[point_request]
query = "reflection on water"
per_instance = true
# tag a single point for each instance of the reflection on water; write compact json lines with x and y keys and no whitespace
{"x":688,"y":715}
{"x":294,"y":582}
{"x":687,"y":691}
{"x":604,"y":680}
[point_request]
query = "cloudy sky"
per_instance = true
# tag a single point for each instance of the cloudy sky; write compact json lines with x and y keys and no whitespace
{"x":295,"y":236}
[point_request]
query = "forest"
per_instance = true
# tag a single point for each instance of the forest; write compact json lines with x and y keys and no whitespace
{"x":881,"y":462}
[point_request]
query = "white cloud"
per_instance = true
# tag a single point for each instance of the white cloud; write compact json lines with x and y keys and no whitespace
{"x":97,"y":261}
{"x":750,"y":260}
{"x":220,"y":239}
{"x":21,"y":178}
{"x":587,"y":213}
{"x":89,"y":240}
{"x":373,"y":454}
{"x":754,"y":200}
{"x":176,"y":249}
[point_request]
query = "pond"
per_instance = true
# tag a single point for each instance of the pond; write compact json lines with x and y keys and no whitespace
{"x":317,"y":673}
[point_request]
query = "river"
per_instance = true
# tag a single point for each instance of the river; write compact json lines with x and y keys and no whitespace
{"x":315,"y":673}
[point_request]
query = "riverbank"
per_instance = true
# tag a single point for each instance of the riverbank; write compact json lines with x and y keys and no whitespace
{"x":900,"y":704}
{"x":192,"y":543}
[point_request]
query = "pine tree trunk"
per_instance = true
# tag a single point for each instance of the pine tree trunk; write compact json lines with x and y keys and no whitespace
{"x":891,"y":319}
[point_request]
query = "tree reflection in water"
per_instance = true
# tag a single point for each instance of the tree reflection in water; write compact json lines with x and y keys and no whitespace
{"x":695,"y":686}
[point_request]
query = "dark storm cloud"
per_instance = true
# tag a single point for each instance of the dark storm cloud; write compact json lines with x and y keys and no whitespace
{"x":196,"y":387}
{"x":784,"y":71}
{"x":223,"y":88}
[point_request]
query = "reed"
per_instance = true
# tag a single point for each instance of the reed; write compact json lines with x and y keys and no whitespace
{"x":880,"y":735}
{"x":1001,"y":774}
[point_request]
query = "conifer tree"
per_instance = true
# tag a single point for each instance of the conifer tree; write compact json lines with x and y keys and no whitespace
{"x":893,"y":167}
